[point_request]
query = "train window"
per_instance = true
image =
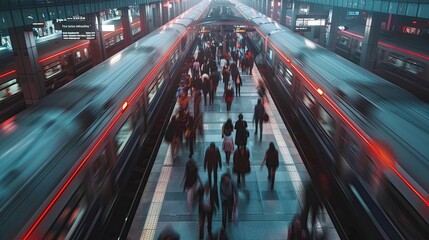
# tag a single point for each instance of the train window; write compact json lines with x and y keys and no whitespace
{"x":85,"y":52}
{"x":395,"y":61}
{"x":99,"y":171}
{"x":183,"y":42}
{"x":308,"y":100}
{"x":174,"y":57}
{"x":68,"y":221}
{"x":78,"y":56}
{"x":52,"y":69}
{"x":270,"y":54}
{"x":160,"y":79}
{"x":9,"y":88}
{"x":151,"y":93}
{"x":414,"y":67}
{"x":123,"y":136}
{"x":327,"y":122}
{"x":345,"y":41}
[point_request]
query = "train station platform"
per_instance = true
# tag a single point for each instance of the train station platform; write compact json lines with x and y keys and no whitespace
{"x":262,"y":213}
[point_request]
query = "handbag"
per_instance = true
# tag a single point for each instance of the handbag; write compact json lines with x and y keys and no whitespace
{"x":265,"y":117}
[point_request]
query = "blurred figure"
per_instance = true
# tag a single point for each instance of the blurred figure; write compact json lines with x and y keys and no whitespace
{"x":228,"y":141}
{"x":258,"y":115}
{"x":271,"y":160}
{"x":229,"y":97}
{"x":312,"y":202}
{"x":229,"y":197}
{"x":225,"y":76}
{"x":241,"y":163}
{"x":206,"y":87}
{"x":168,"y":233}
{"x":212,"y":160}
{"x":221,"y":235}
{"x":183,"y":100}
{"x":262,"y":91}
{"x":190,"y":181}
{"x":296,"y":231}
{"x":190,"y":134}
{"x":197,"y":101}
{"x":242,"y":133}
{"x":250,"y":61}
{"x":208,"y":203}
{"x":175,"y":142}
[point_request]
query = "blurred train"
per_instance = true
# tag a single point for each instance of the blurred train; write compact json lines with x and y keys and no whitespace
{"x":404,"y":61}
{"x":61,"y":61}
{"x":372,"y":134}
{"x":64,"y":160}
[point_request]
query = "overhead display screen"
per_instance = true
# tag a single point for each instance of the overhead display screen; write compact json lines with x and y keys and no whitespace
{"x":77,"y":30}
{"x":310,"y":21}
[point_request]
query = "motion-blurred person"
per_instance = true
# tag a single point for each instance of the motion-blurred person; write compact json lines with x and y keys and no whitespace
{"x":208,"y":203}
{"x":229,"y":197}
{"x":312,"y":202}
{"x":175,"y":138}
{"x":271,"y":160}
{"x":212,"y":160}
{"x":242,"y":133}
{"x":190,"y":134}
{"x":262,"y":91}
{"x":236,"y":78}
{"x":183,"y":100}
{"x":206,"y":87}
{"x":228,"y":140}
{"x":190,"y":181}
{"x":197,"y":101}
{"x":225,"y":76}
{"x":296,"y":230}
{"x":250,"y":62}
{"x":168,"y":233}
{"x":241,"y":163}
{"x":258,"y":115}
{"x":229,"y":97}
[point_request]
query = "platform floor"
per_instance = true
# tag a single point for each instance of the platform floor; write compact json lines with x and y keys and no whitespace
{"x":263,"y":214}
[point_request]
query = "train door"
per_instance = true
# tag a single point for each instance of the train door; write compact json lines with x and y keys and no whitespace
{"x":347,"y":156}
{"x":71,"y":63}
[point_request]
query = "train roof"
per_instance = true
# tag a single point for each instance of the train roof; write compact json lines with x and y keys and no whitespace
{"x":48,"y":130}
{"x":385,"y":111}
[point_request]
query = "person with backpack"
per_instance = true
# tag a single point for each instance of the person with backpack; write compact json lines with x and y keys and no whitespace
{"x":271,"y":160}
{"x":212,"y":160}
{"x":228,"y":140}
{"x":229,"y":197}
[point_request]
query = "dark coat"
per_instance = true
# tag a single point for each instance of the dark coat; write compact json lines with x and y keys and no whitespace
{"x":259,"y":112}
{"x":241,"y":133}
{"x":272,"y":158}
{"x":214,"y":199}
{"x":241,"y":161}
{"x":212,"y":159}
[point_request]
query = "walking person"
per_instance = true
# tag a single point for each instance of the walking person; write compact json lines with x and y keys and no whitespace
{"x":258,"y":117}
{"x":271,"y":160}
{"x":241,"y":133}
{"x":190,"y":134}
{"x":175,"y":141}
{"x":225,"y":77}
{"x":190,"y":181}
{"x":229,"y":97}
{"x":235,"y":75}
{"x":208,"y":203}
{"x":228,"y":196}
{"x":206,"y":87}
{"x":228,"y":141}
{"x":250,"y":62}
{"x":212,"y":160}
{"x":211,"y":89}
{"x":241,"y":163}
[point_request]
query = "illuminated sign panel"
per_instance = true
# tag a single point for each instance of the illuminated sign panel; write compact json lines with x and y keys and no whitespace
{"x":77,"y":30}
{"x":310,"y":21}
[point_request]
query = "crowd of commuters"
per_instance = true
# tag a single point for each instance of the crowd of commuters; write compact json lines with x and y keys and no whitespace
{"x":202,"y":79}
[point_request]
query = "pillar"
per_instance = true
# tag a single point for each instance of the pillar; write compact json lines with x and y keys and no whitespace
{"x":144,"y":23}
{"x":98,"y":49}
{"x":268,"y":7}
{"x":166,"y":12}
{"x":295,"y":11}
{"x":370,"y":41}
{"x":158,"y":15}
{"x":334,"y":19}
{"x":274,"y":13}
{"x":29,"y":72}
{"x":283,"y":12}
{"x":126,"y":26}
